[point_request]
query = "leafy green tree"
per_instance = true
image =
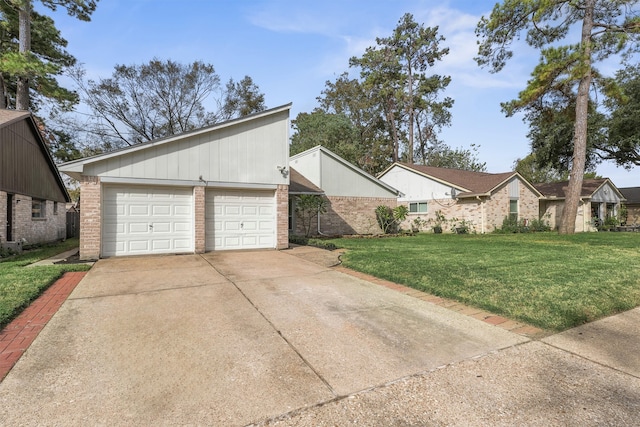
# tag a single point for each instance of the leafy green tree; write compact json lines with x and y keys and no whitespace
{"x":349,"y":98}
{"x":442,"y":156}
{"x":31,"y":66}
{"x":535,"y":173}
{"x":551,"y":131}
{"x":606,"y":28}
{"x":46,"y":60}
{"x":394,"y":73}
{"x":622,"y":143}
{"x":332,"y":131}
{"x":242,"y":98}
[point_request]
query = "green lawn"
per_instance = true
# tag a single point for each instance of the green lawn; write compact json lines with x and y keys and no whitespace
{"x":20,"y":285}
{"x":547,"y":280}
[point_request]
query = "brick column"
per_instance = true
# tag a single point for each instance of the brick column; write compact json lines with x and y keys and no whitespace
{"x":90,"y":217}
{"x":282,"y":214}
{"x":198,"y":221}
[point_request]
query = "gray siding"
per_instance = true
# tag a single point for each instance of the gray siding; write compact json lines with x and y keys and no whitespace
{"x":25,"y":167}
{"x":336,"y":177}
{"x":246,"y":152}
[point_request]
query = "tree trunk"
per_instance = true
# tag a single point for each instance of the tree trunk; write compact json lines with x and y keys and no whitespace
{"x":568,"y":219}
{"x":411,"y":113}
{"x":4,"y":99}
{"x":24,"y":34}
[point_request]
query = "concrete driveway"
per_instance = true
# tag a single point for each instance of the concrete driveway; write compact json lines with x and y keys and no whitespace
{"x":227,"y":339}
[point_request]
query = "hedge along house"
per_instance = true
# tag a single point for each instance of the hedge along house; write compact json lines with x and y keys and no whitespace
{"x":352,"y":194}
{"x":32,"y":193}
{"x":217,"y":188}
{"x":599,"y":200}
{"x":483,"y":200}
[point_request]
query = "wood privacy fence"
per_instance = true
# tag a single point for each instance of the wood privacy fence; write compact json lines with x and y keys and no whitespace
{"x":73,"y":224}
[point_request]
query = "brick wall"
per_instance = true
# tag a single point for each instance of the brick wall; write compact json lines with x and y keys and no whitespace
{"x":49,"y":228}
{"x":552,"y":212}
{"x":348,"y":215}
{"x":90,"y":217}
{"x":199,"y":219}
{"x":282,"y":215}
{"x":633,"y":214}
{"x":484,"y":215}
{"x":3,"y":216}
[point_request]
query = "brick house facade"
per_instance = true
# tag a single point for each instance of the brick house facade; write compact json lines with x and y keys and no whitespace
{"x":351,"y":194}
{"x":481,"y":201}
{"x":32,"y":193}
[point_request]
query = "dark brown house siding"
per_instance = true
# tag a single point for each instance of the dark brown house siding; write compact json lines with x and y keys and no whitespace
{"x":25,"y":165}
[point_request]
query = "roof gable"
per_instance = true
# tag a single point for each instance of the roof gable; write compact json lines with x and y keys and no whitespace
{"x":468,"y":183}
{"x":338,"y":177}
{"x":244,"y":150}
{"x":589,"y":188}
{"x":26,"y":166}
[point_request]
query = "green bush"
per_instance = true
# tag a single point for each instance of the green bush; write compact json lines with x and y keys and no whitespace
{"x":512,"y":225}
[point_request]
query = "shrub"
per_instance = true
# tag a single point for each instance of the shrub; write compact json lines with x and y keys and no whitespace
{"x":389,"y":219}
{"x":512,"y":225}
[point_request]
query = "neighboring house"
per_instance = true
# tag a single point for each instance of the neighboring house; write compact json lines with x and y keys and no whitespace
{"x":216,"y":188}
{"x":482,"y":200}
{"x":32,"y":193}
{"x":632,"y":194}
{"x":599,"y":199}
{"x":352,"y":194}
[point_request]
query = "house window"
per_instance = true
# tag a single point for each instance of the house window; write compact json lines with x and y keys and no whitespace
{"x":418,"y":207}
{"x":38,"y":208}
{"x":513,"y":210}
{"x":55,"y":208}
{"x":291,"y":214}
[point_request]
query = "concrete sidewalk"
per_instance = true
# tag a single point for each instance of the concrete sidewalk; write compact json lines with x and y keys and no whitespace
{"x":269,"y":338}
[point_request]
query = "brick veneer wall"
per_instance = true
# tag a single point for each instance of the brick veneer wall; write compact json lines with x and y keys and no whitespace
{"x":349,"y":215}
{"x":199,"y":219}
{"x":633,"y":214}
{"x":489,"y":211}
{"x":52,"y":227}
{"x":3,"y":216}
{"x":90,"y":217}
{"x":282,"y":215}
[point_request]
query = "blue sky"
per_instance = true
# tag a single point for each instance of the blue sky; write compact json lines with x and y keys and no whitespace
{"x":291,"y":48}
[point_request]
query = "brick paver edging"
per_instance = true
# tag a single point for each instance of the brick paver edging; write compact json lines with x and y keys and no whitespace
{"x":18,"y":335}
{"x":485,"y":316}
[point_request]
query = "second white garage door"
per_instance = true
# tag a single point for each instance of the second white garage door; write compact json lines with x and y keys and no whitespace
{"x":240,"y":219}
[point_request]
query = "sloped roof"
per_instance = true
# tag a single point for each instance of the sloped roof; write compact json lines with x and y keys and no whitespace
{"x":320,"y":149}
{"x":468,"y":182}
{"x":632,"y":194}
{"x":559,"y":189}
{"x":9,"y":116}
{"x":298,"y":184}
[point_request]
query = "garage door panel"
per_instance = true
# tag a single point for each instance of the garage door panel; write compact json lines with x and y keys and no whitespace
{"x":147,"y":220}
{"x":240,"y":219}
{"x":137,"y":228}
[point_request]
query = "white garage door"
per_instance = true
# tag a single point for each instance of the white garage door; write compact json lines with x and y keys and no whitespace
{"x":141,"y":220}
{"x":240,"y":219}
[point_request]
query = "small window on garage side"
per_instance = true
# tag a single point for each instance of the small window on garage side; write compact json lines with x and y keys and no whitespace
{"x":418,"y":207}
{"x":55,"y":208}
{"x":38,"y":208}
